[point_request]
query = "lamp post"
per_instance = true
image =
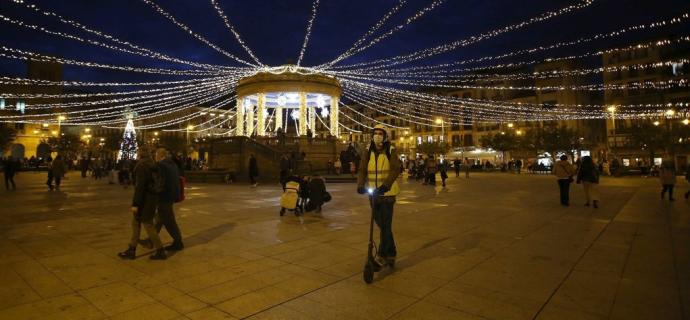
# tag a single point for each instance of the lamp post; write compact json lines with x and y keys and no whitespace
{"x":189,"y":127}
{"x":60,"y":119}
{"x":612,"y":109}
{"x":443,"y":132}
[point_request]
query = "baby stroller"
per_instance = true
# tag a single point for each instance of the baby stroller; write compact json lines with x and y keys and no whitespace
{"x":290,"y":200}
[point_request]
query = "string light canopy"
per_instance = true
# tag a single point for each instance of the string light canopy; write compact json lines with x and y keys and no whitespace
{"x":245,"y":95}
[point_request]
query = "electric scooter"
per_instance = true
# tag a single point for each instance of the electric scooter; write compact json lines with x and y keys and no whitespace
{"x":371,"y":266}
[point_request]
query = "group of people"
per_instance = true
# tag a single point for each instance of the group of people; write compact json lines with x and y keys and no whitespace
{"x":587,"y":173}
{"x":426,"y":169}
{"x":157,"y":186}
{"x":310,"y":193}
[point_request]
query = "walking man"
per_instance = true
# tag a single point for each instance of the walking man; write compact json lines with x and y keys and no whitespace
{"x":382,"y":172}
{"x":588,"y":175}
{"x":147,"y":186}
{"x":57,"y":171}
{"x":667,"y":177}
{"x":10,"y":168}
{"x":171,"y":193}
{"x":456,"y":166}
{"x":564,"y":172}
{"x":253,"y":170}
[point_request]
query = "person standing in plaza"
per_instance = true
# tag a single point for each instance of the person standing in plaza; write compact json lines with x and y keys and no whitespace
{"x":667,"y":177}
{"x":284,"y":168}
{"x":456,"y":166}
{"x":56,"y":172}
{"x":337,"y":165}
{"x":468,"y":166}
{"x":564,"y":172}
{"x":253,"y":170}
{"x":10,"y":168}
{"x":147,"y":186}
{"x":588,"y":175}
{"x":431,"y":169}
{"x":443,"y":168}
{"x":381,"y":162}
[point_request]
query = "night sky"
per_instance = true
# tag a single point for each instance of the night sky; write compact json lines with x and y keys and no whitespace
{"x":275,"y":29}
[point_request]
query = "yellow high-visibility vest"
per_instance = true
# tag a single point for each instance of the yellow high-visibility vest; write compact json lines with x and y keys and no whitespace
{"x":377,"y":172}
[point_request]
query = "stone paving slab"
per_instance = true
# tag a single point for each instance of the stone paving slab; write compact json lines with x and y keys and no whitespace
{"x":496,"y":246}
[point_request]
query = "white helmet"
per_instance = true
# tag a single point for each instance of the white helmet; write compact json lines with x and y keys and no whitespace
{"x":382,"y":128}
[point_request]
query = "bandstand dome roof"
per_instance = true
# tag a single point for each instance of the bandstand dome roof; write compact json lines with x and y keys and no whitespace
{"x":289,"y":79}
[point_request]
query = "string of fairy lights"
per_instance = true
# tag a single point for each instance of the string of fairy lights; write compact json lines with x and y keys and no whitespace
{"x":368,"y":34}
{"x":429,"y":52}
{"x":234,"y":32}
{"x":356,"y":49}
{"x":415,"y":94}
{"x":314,"y":8}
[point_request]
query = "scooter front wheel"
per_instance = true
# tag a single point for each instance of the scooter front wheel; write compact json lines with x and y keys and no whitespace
{"x":368,"y":274}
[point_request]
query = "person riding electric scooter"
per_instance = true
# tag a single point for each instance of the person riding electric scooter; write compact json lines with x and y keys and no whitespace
{"x":380,"y":181}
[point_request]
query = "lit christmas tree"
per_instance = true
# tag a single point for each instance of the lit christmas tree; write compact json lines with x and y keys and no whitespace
{"x":128,"y":146}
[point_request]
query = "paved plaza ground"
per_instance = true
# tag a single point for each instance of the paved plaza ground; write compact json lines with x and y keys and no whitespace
{"x":496,"y":246}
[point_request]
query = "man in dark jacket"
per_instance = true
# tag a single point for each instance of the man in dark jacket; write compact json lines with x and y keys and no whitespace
{"x":284,"y":169}
{"x":253,"y":170}
{"x":317,"y":193}
{"x":11,"y":167}
{"x":146,"y":185}
{"x":171,"y":192}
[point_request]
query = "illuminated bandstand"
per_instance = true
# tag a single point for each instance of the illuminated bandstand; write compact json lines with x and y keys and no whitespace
{"x":273,"y":94}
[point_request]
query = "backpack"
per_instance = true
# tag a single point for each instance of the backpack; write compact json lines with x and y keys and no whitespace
{"x":157,"y":183}
{"x":183,"y":183}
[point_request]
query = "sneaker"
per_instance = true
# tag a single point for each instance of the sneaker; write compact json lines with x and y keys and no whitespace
{"x":377,"y":264}
{"x":174,"y":246}
{"x":130,"y":253}
{"x":146,"y":243}
{"x":158,"y":255}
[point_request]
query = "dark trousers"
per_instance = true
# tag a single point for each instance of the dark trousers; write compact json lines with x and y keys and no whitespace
{"x":9,"y":179}
{"x":252,"y":179}
{"x":669,"y":188}
{"x":564,"y":186}
{"x":166,"y":218}
{"x":383,"y":216}
{"x":52,"y":177}
{"x":457,"y":171}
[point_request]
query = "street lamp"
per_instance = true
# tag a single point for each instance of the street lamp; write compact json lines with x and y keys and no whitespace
{"x":60,"y":119}
{"x":443,"y":131}
{"x":612,"y":109}
{"x":189,"y":127}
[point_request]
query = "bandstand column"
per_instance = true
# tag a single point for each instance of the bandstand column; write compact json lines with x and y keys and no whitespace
{"x":302,"y":113}
{"x":239,"y":117}
{"x":250,"y":119}
{"x":279,"y":118}
{"x":260,"y":117}
{"x":312,"y":120}
{"x":335,"y":130}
